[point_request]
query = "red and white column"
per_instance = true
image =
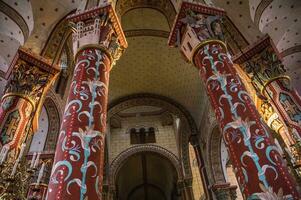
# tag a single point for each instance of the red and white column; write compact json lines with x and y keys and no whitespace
{"x":78,"y":164}
{"x":257,"y":162}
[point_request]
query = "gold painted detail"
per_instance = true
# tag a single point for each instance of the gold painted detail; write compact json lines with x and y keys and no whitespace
{"x":166,"y":7}
{"x":27,"y":81}
{"x":270,"y":117}
{"x":263,"y":68}
{"x":27,"y":98}
{"x":114,"y":50}
{"x":204,"y":43}
{"x":282,"y":77}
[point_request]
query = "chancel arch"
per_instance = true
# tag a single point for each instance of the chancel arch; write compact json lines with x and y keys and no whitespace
{"x":122,"y":158}
{"x":166,"y":105}
{"x":45,"y":139}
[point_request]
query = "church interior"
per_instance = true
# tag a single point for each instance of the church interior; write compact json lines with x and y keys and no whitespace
{"x":150,"y":99}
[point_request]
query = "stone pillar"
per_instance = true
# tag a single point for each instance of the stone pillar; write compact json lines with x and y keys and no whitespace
{"x":262,"y":63}
{"x":201,"y":164}
{"x":257,"y":163}
{"x":78,"y":164}
{"x":20,"y":106}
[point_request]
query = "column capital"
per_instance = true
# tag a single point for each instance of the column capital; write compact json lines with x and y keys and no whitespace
{"x":29,"y":75}
{"x":196,"y":25}
{"x":30,"y":78}
{"x":261,"y":61}
{"x":99,"y":28}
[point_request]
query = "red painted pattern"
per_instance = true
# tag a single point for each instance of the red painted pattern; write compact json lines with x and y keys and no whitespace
{"x":234,"y":112}
{"x":65,"y":187}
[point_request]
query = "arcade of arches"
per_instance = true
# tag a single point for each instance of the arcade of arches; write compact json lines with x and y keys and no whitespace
{"x":150,"y":99}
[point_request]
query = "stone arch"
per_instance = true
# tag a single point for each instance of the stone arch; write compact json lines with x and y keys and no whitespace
{"x":59,"y":40}
{"x":214,"y":155}
{"x":54,"y":124}
{"x":118,"y":162}
{"x":189,"y":126}
{"x":166,"y":7}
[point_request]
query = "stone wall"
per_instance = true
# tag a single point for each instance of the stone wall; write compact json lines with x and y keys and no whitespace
{"x":120,"y":137}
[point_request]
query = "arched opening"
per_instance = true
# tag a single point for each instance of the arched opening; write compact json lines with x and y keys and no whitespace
{"x":155,"y":177}
{"x":44,"y":140}
{"x":228,"y":170}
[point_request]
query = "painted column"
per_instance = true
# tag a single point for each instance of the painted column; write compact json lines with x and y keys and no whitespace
{"x":78,"y":164}
{"x":257,"y":162}
{"x":201,"y":164}
{"x":20,"y":106}
{"x":281,"y":108}
{"x":262,"y":63}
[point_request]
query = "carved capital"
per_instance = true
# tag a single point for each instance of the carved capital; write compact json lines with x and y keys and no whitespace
{"x":262,"y":64}
{"x":98,"y":27}
{"x":30,"y":75}
{"x":195,"y":25}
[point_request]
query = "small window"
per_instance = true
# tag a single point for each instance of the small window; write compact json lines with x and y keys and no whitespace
{"x":142,"y":136}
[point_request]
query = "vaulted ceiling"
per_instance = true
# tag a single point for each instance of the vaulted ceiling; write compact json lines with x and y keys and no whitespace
{"x":149,"y":65}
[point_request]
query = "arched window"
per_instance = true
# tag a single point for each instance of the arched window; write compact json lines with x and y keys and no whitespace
{"x":143,"y":135}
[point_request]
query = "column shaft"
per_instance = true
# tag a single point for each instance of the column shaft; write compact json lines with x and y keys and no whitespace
{"x":77,"y":171}
{"x":257,"y":162}
{"x":78,"y":167}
